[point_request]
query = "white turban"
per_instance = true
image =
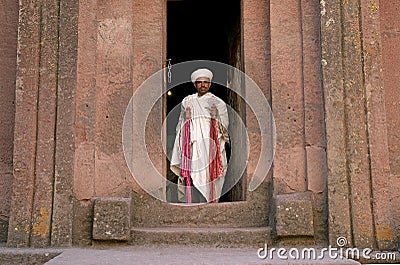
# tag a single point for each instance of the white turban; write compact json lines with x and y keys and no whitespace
{"x":203,"y":72}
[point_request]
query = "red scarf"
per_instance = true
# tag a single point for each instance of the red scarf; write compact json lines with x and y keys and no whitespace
{"x":185,"y":163}
{"x":215,"y":166}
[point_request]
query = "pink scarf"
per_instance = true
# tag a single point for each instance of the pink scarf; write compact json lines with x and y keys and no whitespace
{"x":215,"y":166}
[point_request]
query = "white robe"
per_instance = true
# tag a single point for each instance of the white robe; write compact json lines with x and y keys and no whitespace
{"x":200,"y":141}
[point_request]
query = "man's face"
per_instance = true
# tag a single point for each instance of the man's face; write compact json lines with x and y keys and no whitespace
{"x":202,"y":85}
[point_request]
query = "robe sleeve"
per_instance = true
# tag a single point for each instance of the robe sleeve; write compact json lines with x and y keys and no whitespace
{"x":181,"y":118}
{"x":223,"y":121}
{"x":177,"y":147}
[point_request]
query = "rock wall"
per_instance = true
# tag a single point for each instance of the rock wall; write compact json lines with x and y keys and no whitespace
{"x":328,"y":68}
{"x":360,"y":144}
{"x":8,"y":62}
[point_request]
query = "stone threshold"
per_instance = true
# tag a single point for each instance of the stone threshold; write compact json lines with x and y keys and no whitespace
{"x":210,"y":237}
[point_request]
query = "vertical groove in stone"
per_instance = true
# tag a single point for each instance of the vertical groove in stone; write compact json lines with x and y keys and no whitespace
{"x":37,"y":125}
{"x":357,"y":143}
{"x":44,"y":173}
{"x":314,"y":124}
{"x":302,"y":26}
{"x":333,"y":88}
{"x":377,"y":125}
{"x":25,"y":124}
{"x":314,"y":116}
{"x":346,"y":129}
{"x":65,"y":131}
{"x":372,"y":239}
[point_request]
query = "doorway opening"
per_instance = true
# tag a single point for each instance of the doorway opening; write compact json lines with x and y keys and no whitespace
{"x":203,"y":30}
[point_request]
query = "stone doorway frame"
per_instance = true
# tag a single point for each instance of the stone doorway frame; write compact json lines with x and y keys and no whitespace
{"x":254,"y":65}
{"x":234,"y":58}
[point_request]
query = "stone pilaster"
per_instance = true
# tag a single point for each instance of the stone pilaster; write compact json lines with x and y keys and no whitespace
{"x":257,"y":59}
{"x":65,"y":127}
{"x":333,"y":85}
{"x":357,"y":147}
{"x":357,"y":153}
{"x":44,"y":134}
{"x":288,"y":96}
{"x":25,"y":132}
{"x":381,"y":25}
{"x":46,"y":122}
{"x":149,"y":53}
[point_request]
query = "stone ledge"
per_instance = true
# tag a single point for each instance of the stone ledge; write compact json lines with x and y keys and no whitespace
{"x":27,"y":256}
{"x":211,"y":237}
{"x":111,"y":219}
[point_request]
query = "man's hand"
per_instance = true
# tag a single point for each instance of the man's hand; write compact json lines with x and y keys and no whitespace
{"x":213,"y":111}
{"x":188,"y":112}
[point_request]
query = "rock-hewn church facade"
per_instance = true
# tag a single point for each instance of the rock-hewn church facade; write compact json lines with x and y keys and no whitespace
{"x":329,"y":70}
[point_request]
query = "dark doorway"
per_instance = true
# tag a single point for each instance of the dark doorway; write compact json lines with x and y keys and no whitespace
{"x":202,"y":30}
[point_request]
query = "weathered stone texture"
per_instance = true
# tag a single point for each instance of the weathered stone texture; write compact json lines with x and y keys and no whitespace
{"x":297,"y":101}
{"x":356,"y":127}
{"x":294,"y":214}
{"x":113,"y":91}
{"x":256,"y":39}
{"x":84,"y":159}
{"x":149,"y":212}
{"x":111,"y":219}
{"x":339,"y":205}
{"x":47,"y":97}
{"x":390,"y":24}
{"x":35,"y":125}
{"x":377,"y":122}
{"x":26,"y":256}
{"x":3,"y":230}
{"x":248,"y":237}
{"x":82,"y":223}
{"x":26,"y":101}
{"x":314,"y":124}
{"x":320,"y":217}
{"x":357,"y":152}
{"x":65,"y":129}
{"x":8,"y":61}
{"x":148,"y":55}
{"x":288,"y":96}
{"x":221,"y":224}
{"x":85,"y":98}
{"x":390,"y":28}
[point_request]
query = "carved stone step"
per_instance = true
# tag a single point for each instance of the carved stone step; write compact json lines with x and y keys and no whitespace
{"x":150,"y":212}
{"x":211,"y":237}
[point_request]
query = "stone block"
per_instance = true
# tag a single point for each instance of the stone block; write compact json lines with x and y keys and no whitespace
{"x":294,"y":214}
{"x":111,"y":219}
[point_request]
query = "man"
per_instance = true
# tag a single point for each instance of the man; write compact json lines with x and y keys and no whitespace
{"x":198,"y":156}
